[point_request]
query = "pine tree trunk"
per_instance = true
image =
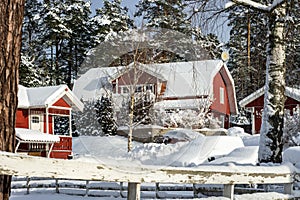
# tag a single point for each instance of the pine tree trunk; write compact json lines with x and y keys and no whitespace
{"x":11,"y":18}
{"x":271,"y":143}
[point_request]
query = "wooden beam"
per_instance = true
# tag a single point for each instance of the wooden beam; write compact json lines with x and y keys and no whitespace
{"x":23,"y":165}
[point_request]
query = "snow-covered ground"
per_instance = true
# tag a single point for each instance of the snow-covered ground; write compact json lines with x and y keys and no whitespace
{"x":191,"y":149}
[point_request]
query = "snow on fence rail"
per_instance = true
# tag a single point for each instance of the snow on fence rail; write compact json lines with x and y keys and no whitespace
{"x":14,"y":164}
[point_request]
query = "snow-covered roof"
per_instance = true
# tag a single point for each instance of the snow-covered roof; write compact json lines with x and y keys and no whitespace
{"x":289,"y":92}
{"x":183,"y":78}
{"x":35,"y":136}
{"x":46,"y":96}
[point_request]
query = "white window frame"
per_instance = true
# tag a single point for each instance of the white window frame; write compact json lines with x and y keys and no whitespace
{"x":222,"y":95}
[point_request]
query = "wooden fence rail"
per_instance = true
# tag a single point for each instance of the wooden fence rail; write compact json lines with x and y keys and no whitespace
{"x":119,"y":189}
{"x":22,"y":165}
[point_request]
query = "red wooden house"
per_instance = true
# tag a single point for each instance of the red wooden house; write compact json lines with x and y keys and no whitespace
{"x":39,"y":112}
{"x":181,"y":85}
{"x":254,"y":103}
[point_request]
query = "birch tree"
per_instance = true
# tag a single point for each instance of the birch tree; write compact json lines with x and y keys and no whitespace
{"x":271,"y":143}
{"x":271,"y":140}
{"x":11,"y":18}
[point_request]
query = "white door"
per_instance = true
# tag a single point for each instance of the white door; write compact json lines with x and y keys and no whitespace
{"x":36,"y":123}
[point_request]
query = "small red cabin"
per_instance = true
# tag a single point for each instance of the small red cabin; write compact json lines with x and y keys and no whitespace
{"x":254,"y":104}
{"x":43,"y":121}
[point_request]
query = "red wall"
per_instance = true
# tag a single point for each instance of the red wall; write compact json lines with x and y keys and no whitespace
{"x":62,"y":103}
{"x":258,"y":106}
{"x":216,"y":105}
{"x":22,"y":118}
{"x":217,"y":108}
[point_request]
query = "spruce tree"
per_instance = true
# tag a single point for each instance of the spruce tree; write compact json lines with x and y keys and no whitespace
{"x":109,"y":20}
{"x":293,"y":44}
{"x":66,"y":38}
{"x":248,"y":76}
{"x":166,"y":14}
{"x":105,"y":115}
{"x":32,"y":52}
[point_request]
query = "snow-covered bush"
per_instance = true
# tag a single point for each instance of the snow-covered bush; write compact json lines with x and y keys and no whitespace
{"x":186,"y":119}
{"x":86,"y":121}
{"x":142,"y":109}
{"x":291,"y":130}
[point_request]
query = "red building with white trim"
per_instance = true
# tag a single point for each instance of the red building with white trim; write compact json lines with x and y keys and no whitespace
{"x":254,"y":104}
{"x":39,"y":109}
{"x":176,"y":86}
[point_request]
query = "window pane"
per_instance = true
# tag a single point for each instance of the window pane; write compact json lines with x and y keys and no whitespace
{"x":35,"y":119}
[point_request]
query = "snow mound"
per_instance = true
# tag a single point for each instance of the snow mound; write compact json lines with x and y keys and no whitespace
{"x":191,"y":153}
{"x":183,"y":134}
{"x":238,"y":157}
{"x":292,"y":155}
{"x":237,"y":131}
{"x":252,"y":140}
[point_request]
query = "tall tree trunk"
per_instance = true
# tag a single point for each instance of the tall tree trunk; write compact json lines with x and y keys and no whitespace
{"x":271,"y":143}
{"x":11,"y":18}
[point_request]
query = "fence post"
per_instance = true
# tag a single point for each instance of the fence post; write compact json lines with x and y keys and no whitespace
{"x":56,"y":186}
{"x":157,"y":190}
{"x":27,"y":184}
{"x":288,"y":188}
{"x":87,"y":188}
{"x":228,"y":191}
{"x":121,"y":190}
{"x":195,"y":190}
{"x":134,"y":191}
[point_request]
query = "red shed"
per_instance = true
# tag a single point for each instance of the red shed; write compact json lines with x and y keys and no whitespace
{"x":40,"y":109}
{"x":254,"y":103}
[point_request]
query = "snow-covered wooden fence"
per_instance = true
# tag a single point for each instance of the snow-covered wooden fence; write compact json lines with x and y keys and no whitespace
{"x":22,"y":165}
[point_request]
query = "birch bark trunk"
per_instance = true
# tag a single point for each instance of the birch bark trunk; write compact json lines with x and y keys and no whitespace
{"x":271,"y":143}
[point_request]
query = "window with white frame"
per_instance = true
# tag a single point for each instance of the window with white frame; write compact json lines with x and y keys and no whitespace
{"x":124,"y":89}
{"x":222,"y":96}
{"x":35,"y":119}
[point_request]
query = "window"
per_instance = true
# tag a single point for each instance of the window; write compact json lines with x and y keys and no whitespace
{"x":35,"y":119}
{"x":139,"y":88}
{"x":222,"y":119}
{"x":124,"y":90}
{"x":222,"y":95}
{"x":61,"y":125}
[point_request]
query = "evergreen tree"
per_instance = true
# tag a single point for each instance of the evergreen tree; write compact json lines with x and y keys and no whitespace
{"x":248,"y":74}
{"x":76,"y":17}
{"x":293,"y":44}
{"x":109,"y":20}
{"x":33,"y":53}
{"x":164,"y":14}
{"x":143,"y":105}
{"x":105,"y":115}
{"x":251,"y":77}
{"x":66,"y":38}
{"x":85,"y":121}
